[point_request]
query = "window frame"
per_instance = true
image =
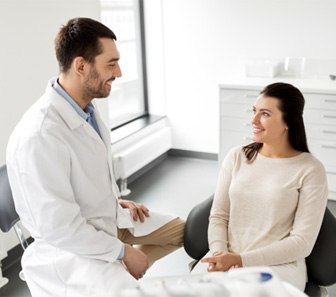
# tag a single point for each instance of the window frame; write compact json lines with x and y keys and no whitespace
{"x":140,"y":17}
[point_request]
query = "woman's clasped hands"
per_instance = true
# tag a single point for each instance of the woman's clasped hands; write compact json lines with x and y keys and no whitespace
{"x":223,"y":261}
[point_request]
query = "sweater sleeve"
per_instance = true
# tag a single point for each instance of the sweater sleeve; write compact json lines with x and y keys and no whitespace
{"x":220,"y":211}
{"x":307,"y":222}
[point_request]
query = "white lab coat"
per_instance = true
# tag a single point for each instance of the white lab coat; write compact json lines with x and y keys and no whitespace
{"x":61,"y":175}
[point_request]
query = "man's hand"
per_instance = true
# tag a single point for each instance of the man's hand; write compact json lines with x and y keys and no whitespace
{"x":135,"y":261}
{"x":138,"y":210}
{"x":223,"y":261}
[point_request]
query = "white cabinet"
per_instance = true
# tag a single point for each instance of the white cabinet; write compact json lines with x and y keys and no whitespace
{"x":320,"y":121}
{"x":237,"y":99}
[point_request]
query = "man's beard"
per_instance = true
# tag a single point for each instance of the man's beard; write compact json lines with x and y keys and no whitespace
{"x":94,"y":86}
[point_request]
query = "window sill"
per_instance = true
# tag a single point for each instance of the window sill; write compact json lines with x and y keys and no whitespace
{"x":126,"y":130}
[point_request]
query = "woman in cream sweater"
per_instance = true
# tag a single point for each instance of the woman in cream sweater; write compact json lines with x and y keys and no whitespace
{"x":271,"y":194}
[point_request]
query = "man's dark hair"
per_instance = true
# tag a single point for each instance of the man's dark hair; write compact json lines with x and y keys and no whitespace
{"x":80,"y":38}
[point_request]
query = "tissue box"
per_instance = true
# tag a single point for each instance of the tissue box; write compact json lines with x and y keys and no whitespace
{"x":263,"y":68}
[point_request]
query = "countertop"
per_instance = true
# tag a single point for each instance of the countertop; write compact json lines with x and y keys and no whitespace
{"x":314,"y":85}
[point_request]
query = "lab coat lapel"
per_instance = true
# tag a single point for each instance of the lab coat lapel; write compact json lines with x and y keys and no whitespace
{"x":73,"y":120}
{"x":70,"y":116}
{"x":64,"y":109}
{"x":123,"y":215}
{"x":105,"y":136}
{"x":104,"y":132}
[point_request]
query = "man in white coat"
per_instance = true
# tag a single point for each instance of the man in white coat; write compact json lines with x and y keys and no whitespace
{"x":60,"y":171}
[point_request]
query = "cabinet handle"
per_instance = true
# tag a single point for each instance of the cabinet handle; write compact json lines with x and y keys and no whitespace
{"x":250,"y":95}
{"x":330,"y":172}
{"x":329,"y":116}
{"x":329,"y":100}
{"x":328,"y":132}
{"x":328,"y":146}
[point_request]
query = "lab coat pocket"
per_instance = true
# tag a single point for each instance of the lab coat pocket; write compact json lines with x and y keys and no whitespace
{"x":91,"y":277}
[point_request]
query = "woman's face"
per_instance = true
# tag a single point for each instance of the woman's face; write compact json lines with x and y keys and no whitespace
{"x":268,"y":125}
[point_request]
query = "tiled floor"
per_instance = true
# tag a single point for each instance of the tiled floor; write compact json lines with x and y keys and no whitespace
{"x":174,"y":186}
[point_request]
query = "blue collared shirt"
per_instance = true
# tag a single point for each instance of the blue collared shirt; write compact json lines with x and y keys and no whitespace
{"x":87,"y":114}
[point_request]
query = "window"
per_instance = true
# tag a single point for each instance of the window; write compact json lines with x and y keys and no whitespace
{"x":129,"y":99}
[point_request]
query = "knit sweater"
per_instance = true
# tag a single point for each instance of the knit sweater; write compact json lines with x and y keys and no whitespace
{"x":269,"y":211}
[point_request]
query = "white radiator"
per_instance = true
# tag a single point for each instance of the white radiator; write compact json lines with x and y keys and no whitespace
{"x":140,"y":153}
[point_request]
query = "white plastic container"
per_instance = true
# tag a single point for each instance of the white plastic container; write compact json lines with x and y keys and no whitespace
{"x":262,"y":68}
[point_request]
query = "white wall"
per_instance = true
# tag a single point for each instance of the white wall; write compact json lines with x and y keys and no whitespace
{"x":27,"y":32}
{"x":208,"y":40}
{"x":192,"y":45}
{"x":155,"y":54}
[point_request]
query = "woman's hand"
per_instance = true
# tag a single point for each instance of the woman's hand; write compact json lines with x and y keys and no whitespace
{"x":223,"y":261}
{"x":138,"y":210}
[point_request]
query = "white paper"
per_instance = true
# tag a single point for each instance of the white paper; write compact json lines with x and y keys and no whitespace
{"x":155,"y":221}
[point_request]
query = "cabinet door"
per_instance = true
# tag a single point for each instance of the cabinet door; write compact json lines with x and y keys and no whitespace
{"x":320,"y":116}
{"x":320,"y":121}
{"x":331,"y":175}
{"x":324,"y":150}
{"x":320,"y":101}
{"x":236,"y":110}
{"x":236,"y":124}
{"x":321,"y":132}
{"x":239,"y":96}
